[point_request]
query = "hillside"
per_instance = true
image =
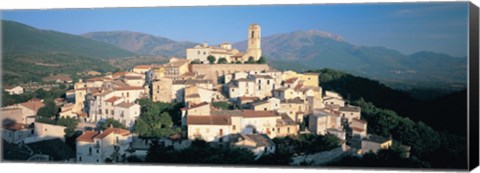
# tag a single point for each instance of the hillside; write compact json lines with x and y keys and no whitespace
{"x":19,"y":69}
{"x":30,"y":54}
{"x":316,"y":49}
{"x":21,"y":39}
{"x":142,"y":44}
{"x":449,"y":109}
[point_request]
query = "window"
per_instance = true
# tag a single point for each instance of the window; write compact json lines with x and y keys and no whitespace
{"x":100,"y":111}
{"x":80,"y":158}
{"x":198,"y":52}
{"x":253,"y":33}
{"x":268,"y":82}
{"x":106,"y":111}
{"x":288,"y":129}
{"x":128,"y":94}
{"x":97,"y":161}
{"x":116,"y":140}
{"x":98,"y":151}
{"x":259,"y":87}
{"x":90,"y":151}
{"x":264,"y":109}
{"x":233,"y":127}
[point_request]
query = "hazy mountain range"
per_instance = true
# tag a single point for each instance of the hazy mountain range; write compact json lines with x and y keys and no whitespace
{"x":300,"y":50}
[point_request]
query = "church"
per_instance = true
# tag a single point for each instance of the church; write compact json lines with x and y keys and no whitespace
{"x":225,"y":51}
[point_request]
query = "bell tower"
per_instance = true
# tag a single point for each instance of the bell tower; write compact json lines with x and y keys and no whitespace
{"x":254,"y":34}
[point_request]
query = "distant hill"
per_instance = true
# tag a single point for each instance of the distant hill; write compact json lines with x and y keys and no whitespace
{"x":316,"y":49}
{"x":30,"y":54}
{"x":142,"y":44}
{"x":23,"y":39}
{"x":449,"y":109}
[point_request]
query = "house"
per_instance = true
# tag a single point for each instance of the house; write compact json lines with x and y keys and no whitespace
{"x":270,"y":104}
{"x":13,"y":89}
{"x":241,"y":88}
{"x":44,"y":131}
{"x":294,"y":108}
{"x":359,"y":127}
{"x":162,"y":90}
{"x":195,"y":94}
{"x":374,"y":143}
{"x":333,"y":101}
{"x":320,"y":121}
{"x":202,"y":109}
{"x":14,"y":132}
{"x":142,"y":69}
{"x":245,"y":102}
{"x":217,"y":125}
{"x":259,"y":144}
{"x":99,"y":147}
{"x":349,"y":112}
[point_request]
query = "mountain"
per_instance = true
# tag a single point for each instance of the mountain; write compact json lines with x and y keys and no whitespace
{"x":23,"y":39}
{"x":316,"y":49}
{"x":143,"y":44}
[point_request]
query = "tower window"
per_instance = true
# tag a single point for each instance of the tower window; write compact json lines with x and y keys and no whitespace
{"x":253,"y":33}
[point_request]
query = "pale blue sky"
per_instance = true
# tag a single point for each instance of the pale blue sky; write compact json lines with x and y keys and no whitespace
{"x":407,"y":27}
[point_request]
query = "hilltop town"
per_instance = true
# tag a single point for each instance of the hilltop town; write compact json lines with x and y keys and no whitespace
{"x":217,"y":94}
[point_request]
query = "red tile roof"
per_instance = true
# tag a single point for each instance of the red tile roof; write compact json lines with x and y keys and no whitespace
{"x":14,"y":126}
{"x":113,"y":99}
{"x":142,"y":67}
{"x":208,"y":120}
{"x":128,"y":88}
{"x":33,"y":104}
{"x":244,"y":98}
{"x":87,"y":136}
{"x":256,"y":114}
{"x":291,"y":80}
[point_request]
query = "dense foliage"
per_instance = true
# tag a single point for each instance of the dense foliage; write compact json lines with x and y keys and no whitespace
{"x":50,"y":110}
{"x":111,"y":122}
{"x":156,"y":119}
{"x":211,"y":59}
{"x":199,"y":152}
{"x":223,"y":105}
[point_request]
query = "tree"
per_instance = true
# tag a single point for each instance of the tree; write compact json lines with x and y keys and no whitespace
{"x":70,"y":123}
{"x":262,"y":60}
{"x":155,"y":121}
{"x":251,"y":60}
{"x":114,"y":123}
{"x":238,"y":62}
{"x":211,"y":59}
{"x":222,"y":61}
{"x":196,"y":61}
{"x":50,"y":110}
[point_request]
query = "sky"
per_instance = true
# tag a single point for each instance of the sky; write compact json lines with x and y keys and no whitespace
{"x":408,"y":27}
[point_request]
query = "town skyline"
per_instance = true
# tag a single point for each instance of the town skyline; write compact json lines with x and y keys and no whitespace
{"x":409,"y":27}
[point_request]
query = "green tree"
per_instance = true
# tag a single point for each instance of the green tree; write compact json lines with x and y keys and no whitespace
{"x":114,"y":123}
{"x":238,"y":62}
{"x":155,"y":121}
{"x":50,"y":110}
{"x":70,"y":123}
{"x":262,"y":60}
{"x":196,"y":61}
{"x":251,"y":60}
{"x":211,"y":59}
{"x":222,"y":61}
